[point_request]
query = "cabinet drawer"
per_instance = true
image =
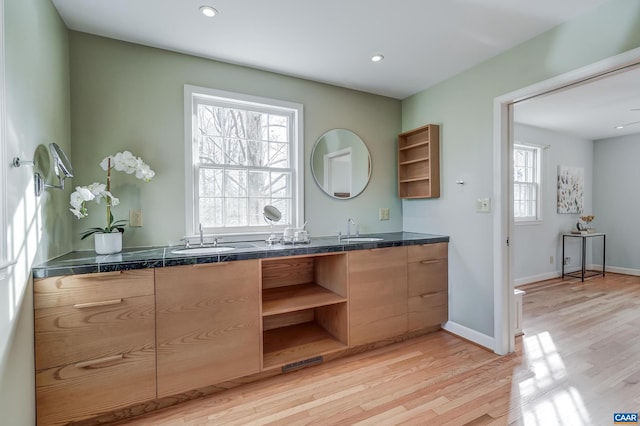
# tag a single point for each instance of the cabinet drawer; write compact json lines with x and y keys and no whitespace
{"x":89,"y":288}
{"x":74,"y":333}
{"x":427,"y":252}
{"x":428,"y":276}
{"x":83,"y":390}
{"x":428,"y":310}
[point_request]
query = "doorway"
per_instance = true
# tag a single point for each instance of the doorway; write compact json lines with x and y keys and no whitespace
{"x":504,"y":314}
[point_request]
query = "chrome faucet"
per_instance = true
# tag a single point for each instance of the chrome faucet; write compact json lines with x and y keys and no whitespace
{"x":201,"y":237}
{"x":349,"y":223}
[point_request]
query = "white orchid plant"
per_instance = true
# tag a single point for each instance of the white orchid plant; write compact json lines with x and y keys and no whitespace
{"x":122,"y":161}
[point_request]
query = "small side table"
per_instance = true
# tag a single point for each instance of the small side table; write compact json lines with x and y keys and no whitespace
{"x":584,"y":273}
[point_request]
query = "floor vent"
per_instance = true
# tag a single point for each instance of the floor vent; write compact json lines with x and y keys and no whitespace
{"x":301,"y":364}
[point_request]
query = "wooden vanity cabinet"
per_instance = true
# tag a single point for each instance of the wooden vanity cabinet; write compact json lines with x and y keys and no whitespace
{"x":304,"y":308}
{"x":377,"y":294}
{"x":94,"y":337}
{"x":208,"y":324}
{"x":428,"y":285}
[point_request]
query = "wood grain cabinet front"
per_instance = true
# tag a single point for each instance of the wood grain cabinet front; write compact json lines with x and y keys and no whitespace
{"x":208,"y":324}
{"x":428,"y":285}
{"x":94,"y":336}
{"x":377,"y":294}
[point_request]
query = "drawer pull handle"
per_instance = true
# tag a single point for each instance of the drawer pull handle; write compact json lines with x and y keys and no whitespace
{"x":100,"y":303}
{"x":206,"y":265}
{"x":93,"y":362}
{"x":93,"y":275}
{"x":424,"y":296}
{"x":428,"y":262}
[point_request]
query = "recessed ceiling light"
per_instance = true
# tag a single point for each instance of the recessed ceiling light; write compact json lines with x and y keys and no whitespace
{"x":208,"y":11}
{"x":377,"y":58}
{"x":622,"y":126}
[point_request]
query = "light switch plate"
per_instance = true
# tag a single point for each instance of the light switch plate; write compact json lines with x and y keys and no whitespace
{"x":483,"y":205}
{"x":383,"y":213}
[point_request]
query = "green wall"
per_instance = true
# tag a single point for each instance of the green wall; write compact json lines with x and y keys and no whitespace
{"x":463,"y":106}
{"x":127,"y":96}
{"x":37,"y":100}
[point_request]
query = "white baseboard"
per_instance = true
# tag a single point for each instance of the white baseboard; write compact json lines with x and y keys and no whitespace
{"x":616,"y":270}
{"x":469,"y":334}
{"x":536,"y":278}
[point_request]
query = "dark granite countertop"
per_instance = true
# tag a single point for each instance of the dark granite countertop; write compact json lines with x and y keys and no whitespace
{"x":87,"y":262}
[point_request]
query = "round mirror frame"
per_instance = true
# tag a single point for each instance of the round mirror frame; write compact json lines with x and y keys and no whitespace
{"x":346,"y":144}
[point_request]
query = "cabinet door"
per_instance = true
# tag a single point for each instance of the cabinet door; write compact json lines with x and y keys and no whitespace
{"x":377,"y":294}
{"x":208,"y":324}
{"x":428,"y":286}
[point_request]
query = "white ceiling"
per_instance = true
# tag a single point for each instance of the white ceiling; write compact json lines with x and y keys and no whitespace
{"x":423,"y":41}
{"x":591,"y":110}
{"x":331,"y":41}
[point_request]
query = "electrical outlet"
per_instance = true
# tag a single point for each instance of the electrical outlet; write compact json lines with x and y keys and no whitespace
{"x":135,"y":218}
{"x":551,"y":260}
{"x":567,"y":260}
{"x":383,"y":213}
{"x":483,"y":205}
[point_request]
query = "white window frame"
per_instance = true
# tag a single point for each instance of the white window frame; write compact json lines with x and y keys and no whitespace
{"x":191,"y":156}
{"x":538,"y":160}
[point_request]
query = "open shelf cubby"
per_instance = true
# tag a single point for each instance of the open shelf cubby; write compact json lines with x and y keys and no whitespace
{"x":304,"y":307}
{"x":419,"y":162}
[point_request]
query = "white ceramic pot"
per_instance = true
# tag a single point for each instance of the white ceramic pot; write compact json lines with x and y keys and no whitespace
{"x":108,"y":243}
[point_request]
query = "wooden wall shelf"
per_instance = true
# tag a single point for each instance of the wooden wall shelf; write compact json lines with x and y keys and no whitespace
{"x":419,"y":162}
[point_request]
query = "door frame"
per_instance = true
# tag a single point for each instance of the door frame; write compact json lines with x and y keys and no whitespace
{"x":503,"y":223}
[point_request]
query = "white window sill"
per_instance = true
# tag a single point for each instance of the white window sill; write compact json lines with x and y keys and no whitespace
{"x":528,"y":222}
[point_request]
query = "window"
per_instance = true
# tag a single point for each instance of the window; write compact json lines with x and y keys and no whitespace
{"x":243,"y":153}
{"x":526,"y":182}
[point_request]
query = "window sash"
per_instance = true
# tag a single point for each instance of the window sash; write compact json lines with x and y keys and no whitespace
{"x":526,"y":185}
{"x":271,"y":125}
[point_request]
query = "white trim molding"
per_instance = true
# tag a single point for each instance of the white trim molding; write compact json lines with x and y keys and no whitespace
{"x":3,"y":151}
{"x":470,"y":334}
{"x":536,"y":278}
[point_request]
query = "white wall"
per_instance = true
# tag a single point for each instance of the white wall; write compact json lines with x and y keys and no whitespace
{"x":533,"y":244}
{"x":37,"y":112}
{"x":617,"y":201}
{"x":463,"y":107}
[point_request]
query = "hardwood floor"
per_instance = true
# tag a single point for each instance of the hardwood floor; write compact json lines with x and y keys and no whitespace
{"x":577,"y":364}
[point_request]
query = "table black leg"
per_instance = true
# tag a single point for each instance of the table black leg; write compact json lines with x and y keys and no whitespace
{"x":563,"y":237}
{"x":604,"y":248}
{"x":584,"y":251}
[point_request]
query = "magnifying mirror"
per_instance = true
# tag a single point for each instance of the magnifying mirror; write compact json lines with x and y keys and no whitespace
{"x":61,"y":167}
{"x":60,"y":163}
{"x":271,"y":215}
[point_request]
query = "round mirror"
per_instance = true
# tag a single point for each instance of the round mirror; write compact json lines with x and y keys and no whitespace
{"x":60,"y":161}
{"x":341,"y":164}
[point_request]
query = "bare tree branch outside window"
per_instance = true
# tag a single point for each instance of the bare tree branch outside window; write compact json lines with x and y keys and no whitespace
{"x":244,"y":164}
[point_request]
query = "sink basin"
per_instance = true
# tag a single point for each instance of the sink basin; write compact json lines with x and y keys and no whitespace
{"x":362,"y":239}
{"x":193,"y":251}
